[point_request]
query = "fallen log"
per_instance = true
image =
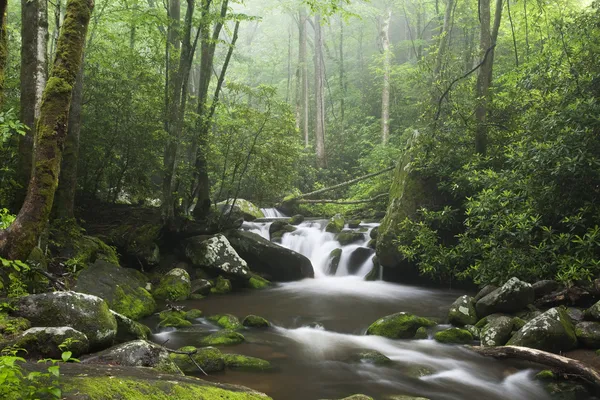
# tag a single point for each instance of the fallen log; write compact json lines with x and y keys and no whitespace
{"x":375,"y":198}
{"x":554,"y":362}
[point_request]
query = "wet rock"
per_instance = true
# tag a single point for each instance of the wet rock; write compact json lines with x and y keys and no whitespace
{"x":588,"y":334}
{"x":334,"y":261}
{"x":124,"y":289}
{"x":242,"y":207}
{"x":354,"y":223}
{"x":41,"y":342}
{"x":405,"y":397}
{"x":374,"y":233}
{"x":348,"y":237}
{"x":138,"y":353}
{"x":254,"y":321}
{"x":513,"y":296}
{"x":226,"y":321}
{"x":474,"y":331}
{"x":358,"y":257}
{"x":576,"y":314}
{"x":497,"y":332}
{"x":335,"y":224}
{"x":85,"y":313}
{"x":215,"y":252}
{"x":210,"y":359}
{"x":552,"y":331}
{"x":454,"y":336}
{"x":271,"y":261}
{"x":279,"y":228}
{"x":221,"y":286}
{"x":484,"y":292}
{"x":543,"y":288}
{"x":421,"y":334}
{"x":258,"y":282}
{"x":567,"y":391}
{"x":372,"y":244}
{"x":357,"y":397}
{"x":371,"y":357}
{"x":375,"y":273}
{"x":462,"y":311}
{"x":398,"y":326}
{"x":173,"y":319}
{"x":593,"y":313}
{"x":193,"y":314}
{"x":128,"y":329}
{"x":238,"y":361}
{"x":297,"y":219}
{"x":174,"y":286}
{"x":201,"y":286}
{"x":225,"y":338}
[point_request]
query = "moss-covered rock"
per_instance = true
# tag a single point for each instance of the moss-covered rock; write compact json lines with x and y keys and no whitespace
{"x":588,"y":334}
{"x":398,"y":326}
{"x":222,"y":286}
{"x":334,"y":261}
{"x":474,"y":331}
{"x":375,"y":273}
{"x":173,"y":319}
{"x":248,"y":210}
{"x":358,"y":257}
{"x":258,"y":282}
{"x":552,"y":331}
{"x":593,"y":313}
{"x":454,"y":336}
{"x":567,"y":390}
{"x":137,"y":241}
{"x":122,"y":288}
{"x":254,"y":321}
{"x":210,"y":359}
{"x":513,"y":296}
{"x":297,"y":219}
{"x":201,"y":287}
{"x":83,"y":251}
{"x":487,"y":289}
{"x":545,"y":287}
{"x":83,"y":312}
{"x":237,"y":361}
{"x":193,"y":314}
{"x":11,"y":326}
{"x":42,"y":342}
{"x":128,"y":329}
{"x":335,"y":224}
{"x":174,"y":286}
{"x":281,"y":226}
{"x":545,"y":375}
{"x":348,"y":237}
{"x":370,"y":357}
{"x":497,"y":331}
{"x":462,"y":312}
{"x":223,"y":338}
{"x":226,"y":321}
{"x":354,"y":223}
{"x":421,"y":333}
{"x":215,"y":252}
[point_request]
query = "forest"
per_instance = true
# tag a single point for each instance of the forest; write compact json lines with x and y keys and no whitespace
{"x":169,"y":156}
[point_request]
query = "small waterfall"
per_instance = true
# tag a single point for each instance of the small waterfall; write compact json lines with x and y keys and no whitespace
{"x":261,"y":229}
{"x":273,"y":213}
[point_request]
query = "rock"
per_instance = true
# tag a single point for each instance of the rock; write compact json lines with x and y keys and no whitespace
{"x":226,"y":321}
{"x":357,"y":397}
{"x":474,"y":331}
{"x":588,"y":334}
{"x":174,"y":286}
{"x":201,"y":286}
{"x":255,"y":321}
{"x":398,"y":326}
{"x":138,"y":353}
{"x":543,"y":288}
{"x":348,"y":237}
{"x":545,"y":375}
{"x":273,"y":262}
{"x":246,"y":209}
{"x":552,"y":331}
{"x":122,"y":288}
{"x":137,"y":242}
{"x":358,"y":257}
{"x":497,"y":332}
{"x":405,"y":397}
{"x":454,"y":336}
{"x":44,"y":342}
{"x":225,"y":337}
{"x":593,"y":313}
{"x":193,"y":314}
{"x":85,"y":313}
{"x":280,"y":226}
{"x":372,"y":244}
{"x":576,"y":314}
{"x":210,"y":359}
{"x":335,"y":224}
{"x":462,"y":311}
{"x":567,"y":390}
{"x":82,"y":251}
{"x":513,"y":296}
{"x":222,"y":286}
{"x":237,"y":361}
{"x":173,"y":319}
{"x":374,"y":233}
{"x":484,"y":292}
{"x":421,"y":334}
{"x":334,"y":261}
{"x":215,"y":252}
{"x":128,"y":329}
{"x":258,"y":282}
{"x":297,"y":219}
{"x":371,"y":357}
{"x":354,"y":223}
{"x":375,"y":273}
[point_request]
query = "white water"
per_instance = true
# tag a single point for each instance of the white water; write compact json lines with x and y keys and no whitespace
{"x":273,"y":213}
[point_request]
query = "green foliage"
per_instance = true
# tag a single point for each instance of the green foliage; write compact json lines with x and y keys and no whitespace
{"x":13,"y":277}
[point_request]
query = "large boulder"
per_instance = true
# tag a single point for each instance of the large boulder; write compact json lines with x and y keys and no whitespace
{"x":358,"y":257}
{"x":174,"y":286}
{"x":593,"y":313}
{"x":138,"y":353}
{"x":85,"y":313}
{"x":226,"y":321}
{"x":513,"y":296}
{"x":552,"y":331}
{"x":588,"y":334}
{"x":44,"y":342}
{"x":254,"y":321}
{"x":401,"y":325}
{"x":347,"y":237}
{"x":128,"y":330}
{"x":274,"y":262}
{"x":462,"y":312}
{"x":216,"y":253}
{"x":545,"y":287}
{"x":497,"y":331}
{"x":122,"y":288}
{"x":335,"y":224}
{"x":246,"y":209}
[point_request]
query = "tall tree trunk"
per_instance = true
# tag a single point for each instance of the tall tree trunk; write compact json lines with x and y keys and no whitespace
{"x":34,"y":65}
{"x":17,"y":241}
{"x":319,"y":95}
{"x":387,"y":67}
{"x":3,"y":47}
{"x":342,"y":76}
{"x":487,"y":42}
{"x":303,"y":66}
{"x":439,"y":59}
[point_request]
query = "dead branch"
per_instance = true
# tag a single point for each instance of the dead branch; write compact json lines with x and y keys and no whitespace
{"x":379,"y":196}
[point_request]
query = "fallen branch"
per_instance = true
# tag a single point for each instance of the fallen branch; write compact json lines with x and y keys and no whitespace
{"x":189,"y":354}
{"x":554,"y":362}
{"x":55,"y":281}
{"x":379,"y":196}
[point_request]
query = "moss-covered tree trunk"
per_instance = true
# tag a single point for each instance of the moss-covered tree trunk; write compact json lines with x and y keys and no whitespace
{"x":18,"y":240}
{"x":3,"y":47}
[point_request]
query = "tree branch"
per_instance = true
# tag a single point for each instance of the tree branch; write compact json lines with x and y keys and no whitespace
{"x":375,"y":198}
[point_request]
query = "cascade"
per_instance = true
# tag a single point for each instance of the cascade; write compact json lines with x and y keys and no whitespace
{"x":273,"y":213}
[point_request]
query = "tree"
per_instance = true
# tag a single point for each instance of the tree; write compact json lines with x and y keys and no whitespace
{"x":3,"y":47}
{"x":303,"y":106}
{"x":319,"y":95}
{"x":17,"y":241}
{"x":387,"y":66}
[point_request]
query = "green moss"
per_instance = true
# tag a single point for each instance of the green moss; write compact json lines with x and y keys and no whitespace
{"x":237,"y":361}
{"x":297,"y":219}
{"x":222,"y":286}
{"x":258,"y":282}
{"x":107,"y":388}
{"x":399,"y":326}
{"x":226,"y":321}
{"x":481,"y":323}
{"x":421,"y":333}
{"x":134,"y":307}
{"x":225,"y":337}
{"x":174,"y":286}
{"x":173,"y":319}
{"x":336,"y":224}
{"x":370,"y":356}
{"x":193,"y":314}
{"x":545,"y":375}
{"x":13,"y":325}
{"x":196,"y":296}
{"x":349,"y":237}
{"x":454,"y":336}
{"x":255,"y":321}
{"x":210,"y":359}
{"x":518,"y":323}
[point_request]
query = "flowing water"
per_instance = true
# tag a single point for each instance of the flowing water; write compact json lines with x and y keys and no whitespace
{"x":272,"y":213}
{"x":320,"y":323}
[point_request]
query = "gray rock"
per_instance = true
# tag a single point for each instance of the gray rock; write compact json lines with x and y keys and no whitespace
{"x":513,"y":296}
{"x":244,"y":208}
{"x":542,"y":288}
{"x":128,"y":329}
{"x":347,"y":237}
{"x":593,"y":313}
{"x":358,"y":257}
{"x":371,"y":357}
{"x":497,"y":332}
{"x":216,"y":252}
{"x":174,"y":286}
{"x":336,"y":224}
{"x":576,"y":314}
{"x":44,"y":342}
{"x":297,"y":219}
{"x":552,"y":331}
{"x":201,"y":286}
{"x":484,"y":292}
{"x":334,"y":261}
{"x":588,"y":334}
{"x":462,"y":312}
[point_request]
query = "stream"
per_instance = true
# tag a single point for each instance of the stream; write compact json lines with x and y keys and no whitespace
{"x":319,"y":323}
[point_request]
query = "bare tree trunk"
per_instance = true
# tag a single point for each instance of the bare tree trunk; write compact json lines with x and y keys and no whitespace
{"x":34,"y":65}
{"x":387,"y":67}
{"x":18,"y":240}
{"x":302,"y":60}
{"x":443,"y":39}
{"x":342,"y":76}
{"x":319,"y":95}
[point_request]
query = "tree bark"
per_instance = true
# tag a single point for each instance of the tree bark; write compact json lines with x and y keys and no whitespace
{"x":443,"y":39}
{"x":387,"y":67}
{"x":34,"y":65}
{"x":319,"y":95}
{"x":18,"y":240}
{"x":372,"y":199}
{"x":303,"y":67}
{"x":3,"y":47}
